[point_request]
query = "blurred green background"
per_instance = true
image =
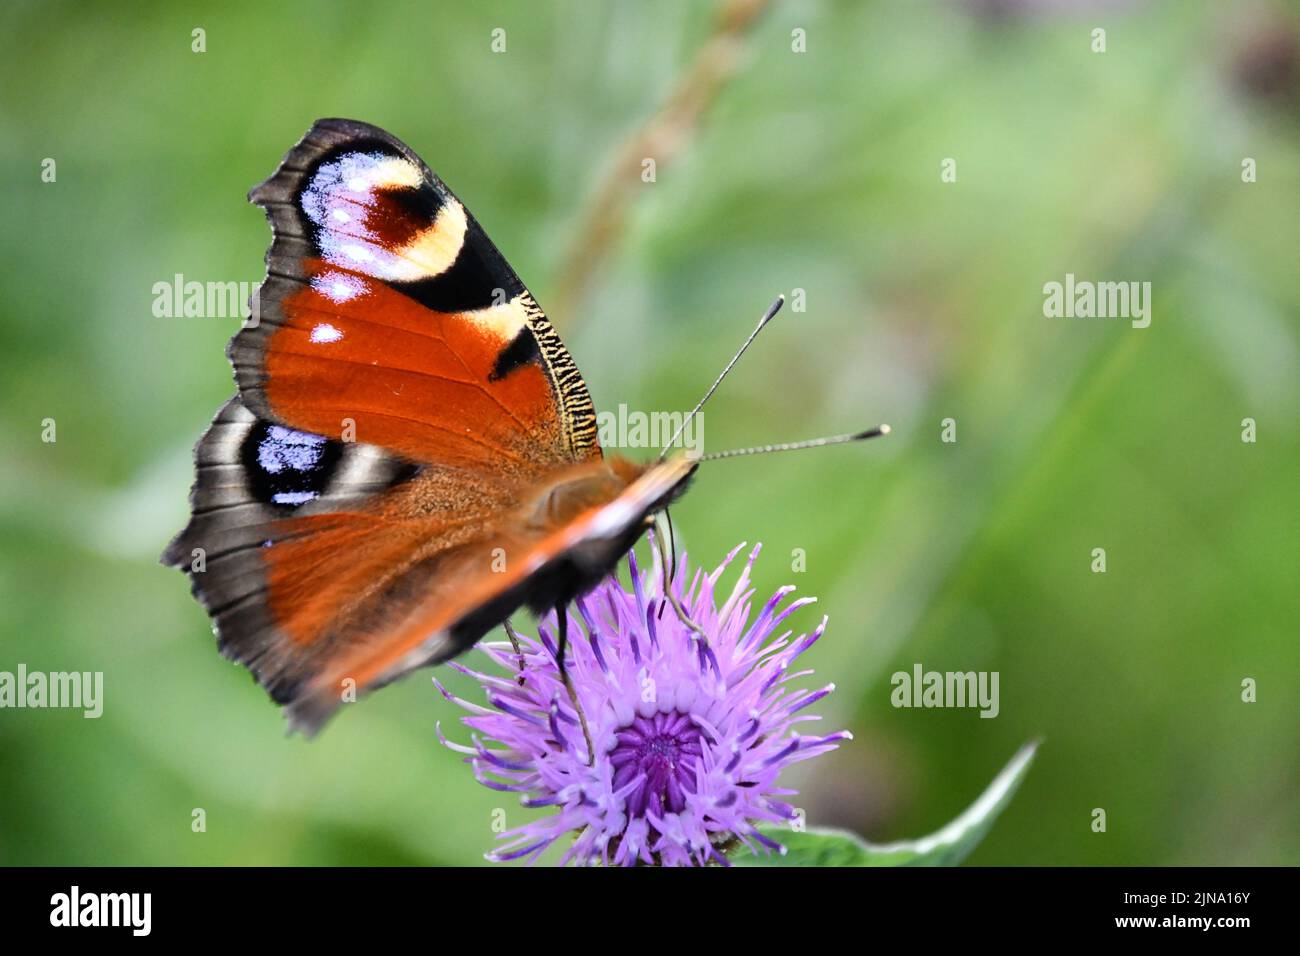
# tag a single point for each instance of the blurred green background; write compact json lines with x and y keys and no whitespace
{"x":816,"y":170}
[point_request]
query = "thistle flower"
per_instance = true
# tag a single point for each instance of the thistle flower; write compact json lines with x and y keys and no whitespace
{"x":690,"y":736}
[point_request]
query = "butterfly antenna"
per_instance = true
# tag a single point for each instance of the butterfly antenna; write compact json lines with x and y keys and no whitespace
{"x":772,"y":310}
{"x":877,"y":432}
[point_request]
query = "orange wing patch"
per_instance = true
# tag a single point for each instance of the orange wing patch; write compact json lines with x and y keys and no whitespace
{"x":358,"y":360}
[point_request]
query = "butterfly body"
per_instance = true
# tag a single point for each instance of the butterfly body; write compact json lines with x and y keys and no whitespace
{"x":411,"y":455}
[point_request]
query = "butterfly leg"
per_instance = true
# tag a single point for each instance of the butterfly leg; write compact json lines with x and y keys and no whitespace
{"x":706,"y":652}
{"x":514,"y":642}
{"x":672,"y":546}
{"x":562,"y":647}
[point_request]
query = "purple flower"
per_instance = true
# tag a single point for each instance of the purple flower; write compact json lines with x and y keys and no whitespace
{"x":690,"y":736}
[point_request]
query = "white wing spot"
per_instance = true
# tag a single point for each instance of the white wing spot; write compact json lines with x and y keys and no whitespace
{"x":339,"y":286}
{"x":324,"y":332}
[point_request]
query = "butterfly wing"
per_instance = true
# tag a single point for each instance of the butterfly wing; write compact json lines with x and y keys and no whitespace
{"x":389,"y":317}
{"x":465,"y":593}
{"x":403,"y":404}
{"x":284,"y":529}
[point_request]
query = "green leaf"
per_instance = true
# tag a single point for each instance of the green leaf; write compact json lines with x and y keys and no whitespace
{"x":946,"y":847}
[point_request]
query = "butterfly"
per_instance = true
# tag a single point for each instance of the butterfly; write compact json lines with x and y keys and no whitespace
{"x":412,"y":453}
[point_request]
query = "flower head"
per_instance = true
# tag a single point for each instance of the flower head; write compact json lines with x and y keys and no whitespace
{"x":690,"y":733}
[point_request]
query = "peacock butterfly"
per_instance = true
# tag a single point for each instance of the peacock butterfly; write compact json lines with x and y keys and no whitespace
{"x":412,"y":453}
